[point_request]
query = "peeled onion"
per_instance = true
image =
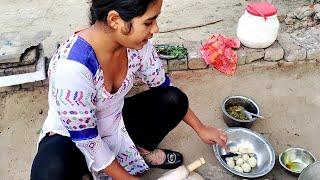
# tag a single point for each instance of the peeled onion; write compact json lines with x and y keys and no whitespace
{"x":246,"y":167}
{"x":252,"y":162}
{"x":238,"y":168}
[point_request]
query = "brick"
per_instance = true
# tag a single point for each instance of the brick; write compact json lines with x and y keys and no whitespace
{"x":164,"y":63}
{"x":274,"y":53}
{"x":197,"y":64}
{"x":313,"y":54}
{"x":292,"y":52}
{"x":177,"y":64}
{"x":254,"y":54}
{"x":242,"y":55}
{"x":20,"y":70}
{"x":9,"y":88}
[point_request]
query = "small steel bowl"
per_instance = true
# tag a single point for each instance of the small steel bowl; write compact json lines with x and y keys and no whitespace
{"x":294,"y":160}
{"x":312,"y":172}
{"x":243,"y":101}
{"x":264,"y":152}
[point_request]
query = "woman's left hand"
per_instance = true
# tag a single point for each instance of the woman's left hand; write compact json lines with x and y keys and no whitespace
{"x":211,"y":135}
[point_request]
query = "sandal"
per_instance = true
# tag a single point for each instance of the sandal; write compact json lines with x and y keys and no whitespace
{"x":163,"y":158}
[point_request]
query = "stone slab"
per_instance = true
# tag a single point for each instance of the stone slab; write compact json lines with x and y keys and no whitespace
{"x":253,"y":54}
{"x":292,"y":51}
{"x":177,"y":64}
{"x":274,"y":53}
{"x":13,"y":44}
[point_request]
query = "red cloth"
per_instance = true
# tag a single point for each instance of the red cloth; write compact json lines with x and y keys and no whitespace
{"x":218,"y":51}
{"x":262,"y":9}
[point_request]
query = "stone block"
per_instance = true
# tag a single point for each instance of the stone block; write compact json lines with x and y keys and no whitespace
{"x":254,"y":54}
{"x":292,"y":52}
{"x":313,"y":54}
{"x":9,"y":88}
{"x":197,"y":64}
{"x":20,"y":70}
{"x":274,"y":53}
{"x":164,"y":63}
{"x":195,"y":60}
{"x":177,"y":64}
{"x":242,"y":55}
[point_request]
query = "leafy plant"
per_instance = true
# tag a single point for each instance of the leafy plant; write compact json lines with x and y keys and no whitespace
{"x":171,"y":52}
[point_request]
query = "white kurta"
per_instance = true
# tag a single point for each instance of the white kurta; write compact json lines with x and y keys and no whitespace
{"x":81,"y":108}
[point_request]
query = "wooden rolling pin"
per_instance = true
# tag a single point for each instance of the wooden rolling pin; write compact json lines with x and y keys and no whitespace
{"x":182,"y":172}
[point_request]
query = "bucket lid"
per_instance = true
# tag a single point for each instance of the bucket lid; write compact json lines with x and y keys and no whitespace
{"x":262,"y":9}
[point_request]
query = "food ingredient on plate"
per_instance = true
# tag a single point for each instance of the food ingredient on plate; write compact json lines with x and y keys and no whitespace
{"x":237,"y":112}
{"x":245,"y":162}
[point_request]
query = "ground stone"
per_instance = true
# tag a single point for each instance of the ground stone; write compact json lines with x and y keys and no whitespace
{"x":292,"y":52}
{"x":242,"y":55}
{"x":304,"y":11}
{"x":177,"y":64}
{"x":254,"y":54}
{"x":274,"y":53}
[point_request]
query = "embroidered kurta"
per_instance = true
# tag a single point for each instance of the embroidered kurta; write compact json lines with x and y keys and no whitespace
{"x":82,"y":109}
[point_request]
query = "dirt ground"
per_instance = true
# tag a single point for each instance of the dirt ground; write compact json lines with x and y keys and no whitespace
{"x":288,"y":96}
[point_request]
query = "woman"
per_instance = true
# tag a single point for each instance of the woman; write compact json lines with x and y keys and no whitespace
{"x":91,"y":126}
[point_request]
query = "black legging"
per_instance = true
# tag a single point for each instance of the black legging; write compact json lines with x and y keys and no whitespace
{"x":148,"y":116}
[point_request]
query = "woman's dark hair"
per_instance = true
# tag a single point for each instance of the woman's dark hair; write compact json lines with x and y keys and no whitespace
{"x":127,"y":9}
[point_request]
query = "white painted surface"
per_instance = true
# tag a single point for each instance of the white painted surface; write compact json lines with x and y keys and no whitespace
{"x":27,"y":77}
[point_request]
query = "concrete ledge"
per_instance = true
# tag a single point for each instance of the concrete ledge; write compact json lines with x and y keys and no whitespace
{"x":38,"y":75}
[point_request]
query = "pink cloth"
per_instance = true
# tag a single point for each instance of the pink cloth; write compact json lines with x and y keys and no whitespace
{"x":219,"y":52}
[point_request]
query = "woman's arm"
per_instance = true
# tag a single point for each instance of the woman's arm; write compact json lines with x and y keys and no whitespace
{"x":208,"y":134}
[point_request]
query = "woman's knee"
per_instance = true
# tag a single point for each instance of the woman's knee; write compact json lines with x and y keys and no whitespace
{"x":49,"y":167}
{"x":176,"y":99}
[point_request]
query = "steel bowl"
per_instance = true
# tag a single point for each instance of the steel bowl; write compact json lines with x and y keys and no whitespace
{"x":294,"y":160}
{"x":264,"y":152}
{"x":243,"y":101}
{"x":312,"y":172}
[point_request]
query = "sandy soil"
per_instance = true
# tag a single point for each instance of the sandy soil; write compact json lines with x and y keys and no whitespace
{"x":288,"y":96}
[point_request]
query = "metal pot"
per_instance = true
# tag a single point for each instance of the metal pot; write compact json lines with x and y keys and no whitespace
{"x":312,"y":172}
{"x":243,"y":101}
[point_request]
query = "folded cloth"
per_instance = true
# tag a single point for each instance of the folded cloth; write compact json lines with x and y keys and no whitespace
{"x":219,"y":52}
